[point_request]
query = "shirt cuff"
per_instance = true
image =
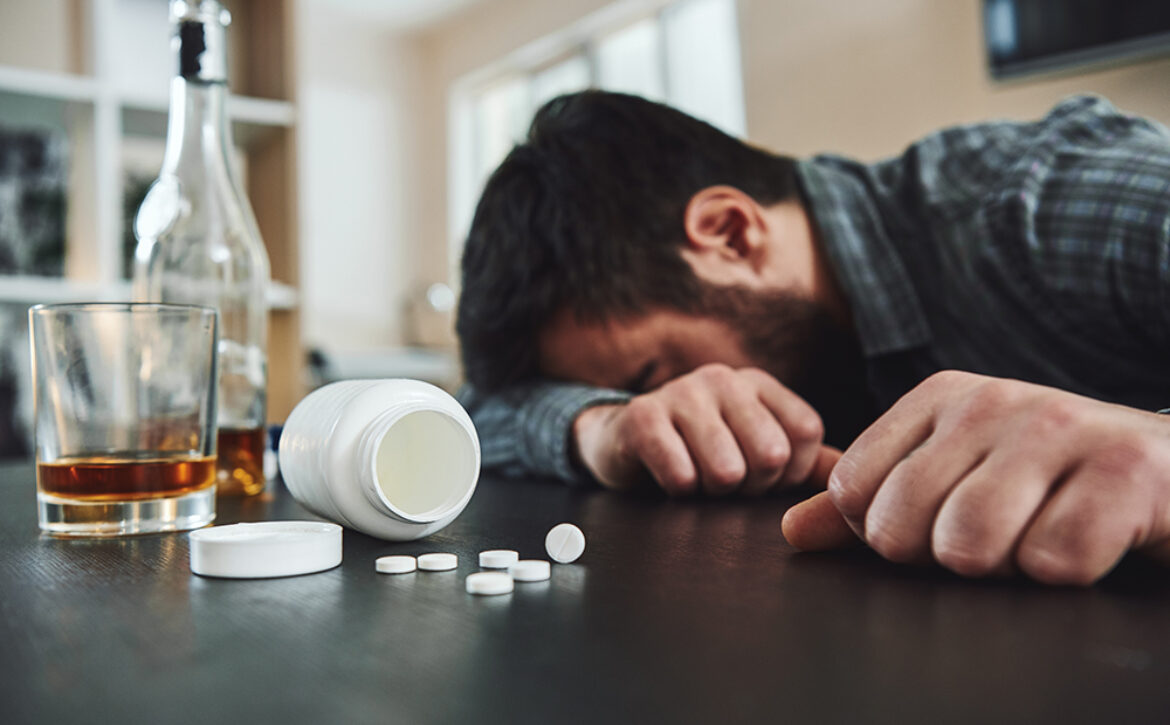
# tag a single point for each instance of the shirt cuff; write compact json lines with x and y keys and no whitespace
{"x":548,"y":432}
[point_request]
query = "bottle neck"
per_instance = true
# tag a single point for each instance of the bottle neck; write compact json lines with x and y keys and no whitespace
{"x":198,"y":133}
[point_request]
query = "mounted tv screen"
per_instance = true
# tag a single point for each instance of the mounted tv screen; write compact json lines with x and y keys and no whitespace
{"x":1033,"y":36}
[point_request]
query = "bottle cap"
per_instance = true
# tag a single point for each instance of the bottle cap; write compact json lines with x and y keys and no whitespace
{"x":266,"y":549}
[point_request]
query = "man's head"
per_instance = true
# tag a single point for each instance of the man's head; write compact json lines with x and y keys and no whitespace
{"x":604,"y":216}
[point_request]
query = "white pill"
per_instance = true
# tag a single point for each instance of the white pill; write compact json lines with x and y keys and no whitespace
{"x":530,"y":570}
{"x":498,"y":558}
{"x":395,"y":564}
{"x":489,"y":582}
{"x":438,"y":562}
{"x":564,"y":543}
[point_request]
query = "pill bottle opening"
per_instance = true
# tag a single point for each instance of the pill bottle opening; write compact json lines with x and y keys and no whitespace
{"x":424,"y":465}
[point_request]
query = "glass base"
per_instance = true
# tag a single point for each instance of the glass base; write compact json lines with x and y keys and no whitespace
{"x":70,"y":517}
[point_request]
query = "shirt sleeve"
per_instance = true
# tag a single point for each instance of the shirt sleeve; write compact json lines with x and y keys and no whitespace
{"x":525,"y":430}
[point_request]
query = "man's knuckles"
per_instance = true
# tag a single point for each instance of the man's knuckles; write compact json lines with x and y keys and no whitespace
{"x":717,"y":376}
{"x":1135,"y":462}
{"x":724,"y":474}
{"x":846,"y":490}
{"x":945,"y":383}
{"x":892,"y":540}
{"x":643,"y":415}
{"x":968,"y":550}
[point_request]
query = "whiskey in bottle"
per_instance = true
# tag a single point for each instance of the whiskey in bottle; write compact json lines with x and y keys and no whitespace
{"x":198,"y":242}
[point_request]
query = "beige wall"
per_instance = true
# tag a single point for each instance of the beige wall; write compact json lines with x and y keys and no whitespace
{"x":484,"y":33}
{"x":357,"y":143}
{"x":864,"y":78}
{"x":45,"y":49}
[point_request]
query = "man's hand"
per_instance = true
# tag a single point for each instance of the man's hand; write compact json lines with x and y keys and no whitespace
{"x":715,"y":430}
{"x":988,"y":476}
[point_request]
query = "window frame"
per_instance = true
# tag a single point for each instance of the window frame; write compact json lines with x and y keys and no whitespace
{"x":579,"y":39}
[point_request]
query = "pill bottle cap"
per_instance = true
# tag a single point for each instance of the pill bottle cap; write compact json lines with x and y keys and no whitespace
{"x":265,"y":549}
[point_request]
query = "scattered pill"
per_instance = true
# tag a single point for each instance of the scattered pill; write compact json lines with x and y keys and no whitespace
{"x":395,"y":564}
{"x":530,"y":570}
{"x":438,"y":562}
{"x":565,"y":543}
{"x":498,"y":558}
{"x":489,"y":582}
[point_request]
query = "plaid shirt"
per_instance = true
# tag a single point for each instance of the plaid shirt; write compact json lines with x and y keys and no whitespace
{"x":1036,"y":251}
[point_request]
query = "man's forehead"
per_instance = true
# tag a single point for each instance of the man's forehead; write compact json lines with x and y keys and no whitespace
{"x":596,"y":352}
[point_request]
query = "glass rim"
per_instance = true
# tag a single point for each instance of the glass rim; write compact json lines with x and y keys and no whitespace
{"x":129,"y":307}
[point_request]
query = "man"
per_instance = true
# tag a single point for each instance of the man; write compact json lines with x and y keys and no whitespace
{"x":645,"y":296}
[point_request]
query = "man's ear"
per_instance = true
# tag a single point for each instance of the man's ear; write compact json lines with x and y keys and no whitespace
{"x":724,"y":226}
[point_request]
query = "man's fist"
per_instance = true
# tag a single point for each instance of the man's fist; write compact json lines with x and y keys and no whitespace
{"x":715,"y":430}
{"x":987,"y":476}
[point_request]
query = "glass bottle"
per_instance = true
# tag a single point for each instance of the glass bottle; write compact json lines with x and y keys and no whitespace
{"x":198,"y":242}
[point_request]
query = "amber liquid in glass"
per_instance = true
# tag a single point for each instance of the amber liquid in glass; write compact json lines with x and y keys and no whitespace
{"x":125,"y":477}
{"x":240,"y":467}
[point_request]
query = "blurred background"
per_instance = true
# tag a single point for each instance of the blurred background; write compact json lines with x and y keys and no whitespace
{"x":366,"y":127}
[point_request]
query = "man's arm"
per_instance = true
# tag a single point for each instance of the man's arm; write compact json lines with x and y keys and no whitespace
{"x":715,"y":430}
{"x":525,"y":430}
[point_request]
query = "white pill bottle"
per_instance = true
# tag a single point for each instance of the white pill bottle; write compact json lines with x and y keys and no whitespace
{"x":395,"y":459}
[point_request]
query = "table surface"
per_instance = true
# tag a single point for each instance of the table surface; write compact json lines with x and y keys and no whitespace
{"x":679,"y":611}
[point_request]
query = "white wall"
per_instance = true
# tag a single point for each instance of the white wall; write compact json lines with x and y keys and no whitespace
{"x":356,"y":148}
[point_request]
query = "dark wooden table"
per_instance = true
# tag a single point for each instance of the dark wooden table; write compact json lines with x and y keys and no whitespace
{"x":678,"y":612}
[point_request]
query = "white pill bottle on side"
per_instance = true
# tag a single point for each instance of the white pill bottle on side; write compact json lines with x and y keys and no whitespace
{"x":395,"y":459}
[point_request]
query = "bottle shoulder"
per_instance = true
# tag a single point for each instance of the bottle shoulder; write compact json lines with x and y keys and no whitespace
{"x":177,"y":209}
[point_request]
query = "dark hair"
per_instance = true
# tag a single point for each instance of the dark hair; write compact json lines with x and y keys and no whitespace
{"x":586,"y":215}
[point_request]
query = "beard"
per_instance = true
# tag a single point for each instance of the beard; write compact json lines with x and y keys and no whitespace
{"x":800,"y":343}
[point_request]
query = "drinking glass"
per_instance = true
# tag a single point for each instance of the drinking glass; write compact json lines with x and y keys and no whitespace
{"x":124,"y":397}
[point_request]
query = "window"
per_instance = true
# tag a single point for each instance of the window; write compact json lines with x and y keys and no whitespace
{"x":685,"y":53}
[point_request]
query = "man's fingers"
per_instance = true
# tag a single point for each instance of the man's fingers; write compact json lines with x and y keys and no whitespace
{"x":1083,"y":530}
{"x":900,"y":517}
{"x":978,"y":526}
{"x":716,"y":453}
{"x":869,"y":460}
{"x":802,"y":426}
{"x":761,"y":439}
{"x":652,"y":439}
{"x":816,"y":525}
{"x":827,"y":457}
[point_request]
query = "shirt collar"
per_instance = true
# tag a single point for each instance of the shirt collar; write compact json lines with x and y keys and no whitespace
{"x":840,"y":200}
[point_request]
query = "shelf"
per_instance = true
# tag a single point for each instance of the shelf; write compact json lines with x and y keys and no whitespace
{"x":30,"y":290}
{"x":47,"y":84}
{"x":95,"y":74}
{"x":243,"y":109}
{"x":75,"y":88}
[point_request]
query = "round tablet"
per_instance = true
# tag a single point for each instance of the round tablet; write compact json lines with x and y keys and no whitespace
{"x":395,"y":564}
{"x":489,"y":582}
{"x":565,"y":543}
{"x":438,"y":562}
{"x":265,"y":549}
{"x":498,"y":558}
{"x":530,"y":570}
